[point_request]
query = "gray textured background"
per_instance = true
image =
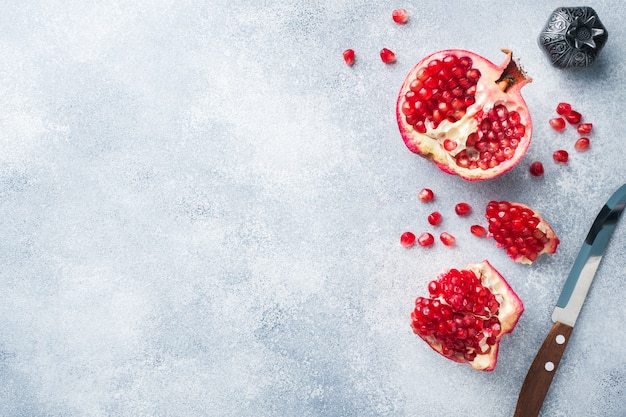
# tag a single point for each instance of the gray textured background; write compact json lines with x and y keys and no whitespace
{"x":200,"y":208}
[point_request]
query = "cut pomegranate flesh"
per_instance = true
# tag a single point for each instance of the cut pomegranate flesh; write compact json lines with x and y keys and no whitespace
{"x":400,"y":16}
{"x":462,"y":209}
{"x":557,"y":123}
{"x":465,"y":114}
{"x":434,"y":218}
{"x":447,"y":239}
{"x":466,"y":314}
{"x":520,"y":230}
{"x":426,"y":239}
{"x":407,"y":239}
{"x":561,"y":156}
{"x":426,"y":194}
{"x":536,"y":169}
{"x":582,"y":144}
{"x":387,"y":56}
{"x":348,"y":56}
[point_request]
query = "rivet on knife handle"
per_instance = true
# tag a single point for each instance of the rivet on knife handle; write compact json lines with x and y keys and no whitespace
{"x":541,"y":372}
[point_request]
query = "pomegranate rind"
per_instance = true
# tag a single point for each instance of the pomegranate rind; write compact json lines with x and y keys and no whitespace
{"x":543,"y":225}
{"x":500,"y":84}
{"x":510,"y":310}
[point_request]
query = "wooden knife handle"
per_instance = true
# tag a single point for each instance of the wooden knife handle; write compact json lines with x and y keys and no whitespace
{"x":542,"y":370}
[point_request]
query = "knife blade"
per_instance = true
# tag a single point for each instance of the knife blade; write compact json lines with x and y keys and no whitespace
{"x":541,"y":372}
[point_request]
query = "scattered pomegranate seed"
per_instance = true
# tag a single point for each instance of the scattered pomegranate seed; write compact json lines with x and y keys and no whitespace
{"x":462,"y":209}
{"x":434,"y":218}
{"x":426,"y":194}
{"x":407,"y":239}
{"x":557,"y":123}
{"x":560,"y":156}
{"x":584,"y":128}
{"x":478,"y":230}
{"x":563,"y":108}
{"x":348,"y":56}
{"x":573,"y":117}
{"x":581,"y":144}
{"x":387,"y":56}
{"x":426,"y":239}
{"x":400,"y":16}
{"x":447,"y":239}
{"x":536,"y":169}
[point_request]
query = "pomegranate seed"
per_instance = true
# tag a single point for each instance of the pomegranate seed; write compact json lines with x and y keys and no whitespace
{"x":387,"y":56}
{"x":449,"y":145}
{"x":563,"y":108}
{"x":348,"y":56}
{"x":462,"y":209}
{"x":536,"y":169}
{"x":426,"y":194}
{"x":581,"y":144}
{"x":584,"y":128}
{"x":478,"y":230}
{"x":400,"y":16}
{"x":434,"y":218}
{"x":407,"y":239}
{"x":426,"y":239}
{"x":447,"y":239}
{"x":557,"y":123}
{"x":560,"y":156}
{"x":573,"y":117}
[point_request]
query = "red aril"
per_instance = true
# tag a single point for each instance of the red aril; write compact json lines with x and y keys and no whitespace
{"x":466,"y":314}
{"x":573,"y":117}
{"x":563,"y":108}
{"x":561,"y":156}
{"x":387,"y":56}
{"x":478,"y":230}
{"x":582,"y":144}
{"x":557,"y":123}
{"x":462,"y":209}
{"x":426,"y":239}
{"x":447,"y":239}
{"x":536,"y":169}
{"x":584,"y":128}
{"x":426,"y":194}
{"x":400,"y":16}
{"x":348,"y":56}
{"x":459,"y":96}
{"x":407,"y":239}
{"x":520,"y":230}
{"x":434,"y":218}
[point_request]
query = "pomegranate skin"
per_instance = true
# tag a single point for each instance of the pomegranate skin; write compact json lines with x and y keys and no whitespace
{"x":509,"y":312}
{"x":497,"y":85}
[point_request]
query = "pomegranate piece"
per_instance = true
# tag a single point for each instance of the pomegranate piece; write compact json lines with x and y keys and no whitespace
{"x":387,"y":56}
{"x":582,"y":144}
{"x":573,"y":117}
{"x":478,"y":230}
{"x":426,"y":194}
{"x":584,"y":128}
{"x":465,"y":114}
{"x":520,"y":230}
{"x":434,"y":218}
{"x":348,"y":56}
{"x":426,"y":239}
{"x":557,"y":123}
{"x":400,"y":16}
{"x":536,"y":169}
{"x":447,"y":239}
{"x":462,"y":209}
{"x":466,"y":314}
{"x":407,"y":239}
{"x":563,"y":108}
{"x":560,"y":156}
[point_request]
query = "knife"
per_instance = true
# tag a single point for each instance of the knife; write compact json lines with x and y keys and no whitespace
{"x":544,"y":366}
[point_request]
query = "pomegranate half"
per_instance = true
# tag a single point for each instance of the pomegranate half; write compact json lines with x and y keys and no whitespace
{"x":466,"y":314}
{"x":465,"y":114}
